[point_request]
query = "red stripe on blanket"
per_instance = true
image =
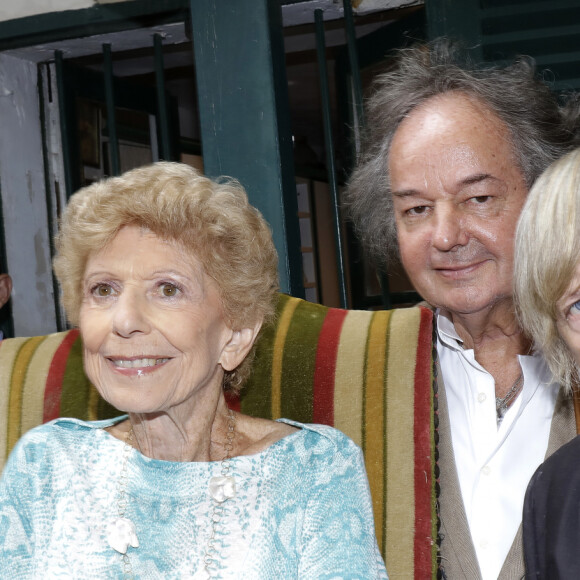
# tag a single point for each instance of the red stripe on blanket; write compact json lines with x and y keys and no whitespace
{"x":424,"y":564}
{"x":53,"y":389}
{"x":325,"y":366}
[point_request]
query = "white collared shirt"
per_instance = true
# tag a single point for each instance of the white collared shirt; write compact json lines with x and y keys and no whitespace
{"x":494,"y":464}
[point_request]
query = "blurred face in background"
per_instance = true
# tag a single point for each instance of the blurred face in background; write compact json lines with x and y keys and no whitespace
{"x":5,"y":288}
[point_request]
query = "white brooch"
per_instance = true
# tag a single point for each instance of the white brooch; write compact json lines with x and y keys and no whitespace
{"x":121,"y":534}
{"x":222,"y":487}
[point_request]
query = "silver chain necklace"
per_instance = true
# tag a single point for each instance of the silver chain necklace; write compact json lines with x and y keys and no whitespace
{"x":221,"y":488}
{"x":121,"y":532}
{"x":502,"y":403}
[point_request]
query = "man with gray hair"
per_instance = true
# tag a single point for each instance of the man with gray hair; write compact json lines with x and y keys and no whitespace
{"x":450,"y":154}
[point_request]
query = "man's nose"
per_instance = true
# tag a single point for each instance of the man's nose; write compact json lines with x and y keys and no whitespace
{"x":449,"y":229}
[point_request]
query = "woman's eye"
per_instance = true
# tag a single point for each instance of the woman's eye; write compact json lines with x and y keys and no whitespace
{"x":169,"y":290}
{"x":575,"y":308}
{"x":102,"y":290}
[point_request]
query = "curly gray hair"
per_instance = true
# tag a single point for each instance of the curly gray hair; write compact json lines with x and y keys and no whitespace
{"x":541,"y":130}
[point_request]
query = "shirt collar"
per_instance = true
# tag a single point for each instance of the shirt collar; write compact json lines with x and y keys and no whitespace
{"x":533,"y":363}
{"x":446,"y":330}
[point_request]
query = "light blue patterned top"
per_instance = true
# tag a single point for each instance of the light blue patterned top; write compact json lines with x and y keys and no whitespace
{"x":302,"y":509}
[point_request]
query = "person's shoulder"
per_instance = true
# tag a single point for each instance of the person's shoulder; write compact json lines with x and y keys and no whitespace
{"x":56,"y":433}
{"x":57,"y":445}
{"x":559,"y":471}
{"x":323,"y":438}
{"x":324,"y":458}
{"x":68,"y":425}
{"x":565,"y":458}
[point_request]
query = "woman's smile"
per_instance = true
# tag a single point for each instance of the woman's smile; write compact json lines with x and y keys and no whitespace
{"x":143,"y":364}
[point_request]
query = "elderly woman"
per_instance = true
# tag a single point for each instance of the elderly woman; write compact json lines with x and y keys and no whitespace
{"x":169,"y":277}
{"x":547,"y":288}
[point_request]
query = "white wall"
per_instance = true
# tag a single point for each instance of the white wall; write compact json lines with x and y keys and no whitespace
{"x":10,"y":9}
{"x":22,"y":185}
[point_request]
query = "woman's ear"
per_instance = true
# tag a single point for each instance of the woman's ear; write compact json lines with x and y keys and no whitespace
{"x":238,"y":347}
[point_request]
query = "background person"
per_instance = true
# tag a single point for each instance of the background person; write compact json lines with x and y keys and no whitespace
{"x":547,"y":289}
{"x":169,"y":277}
{"x":5,"y":288}
{"x":446,"y":164}
{"x":5,"y":291}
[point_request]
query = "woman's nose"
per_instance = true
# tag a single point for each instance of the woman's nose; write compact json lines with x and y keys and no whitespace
{"x":130,"y":315}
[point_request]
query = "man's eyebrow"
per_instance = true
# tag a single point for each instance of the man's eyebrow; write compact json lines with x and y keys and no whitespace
{"x":469,"y":180}
{"x":477,"y":178}
{"x":406,"y":193}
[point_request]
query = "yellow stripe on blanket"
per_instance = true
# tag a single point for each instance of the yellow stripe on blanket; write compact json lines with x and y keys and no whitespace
{"x":278,"y":355}
{"x":374,"y":441}
{"x":8,"y":352}
{"x":349,"y":375}
{"x":16,"y":389}
{"x":400,"y":412}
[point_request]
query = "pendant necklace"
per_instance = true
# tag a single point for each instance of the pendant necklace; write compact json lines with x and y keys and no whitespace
{"x":121,"y":532}
{"x":502,"y":403}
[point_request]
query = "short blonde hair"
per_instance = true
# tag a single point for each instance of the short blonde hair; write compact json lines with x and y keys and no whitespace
{"x":546,"y":256}
{"x":211,"y":219}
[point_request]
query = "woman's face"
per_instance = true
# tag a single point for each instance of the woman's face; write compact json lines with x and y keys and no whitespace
{"x":568,"y":322}
{"x":151,"y":321}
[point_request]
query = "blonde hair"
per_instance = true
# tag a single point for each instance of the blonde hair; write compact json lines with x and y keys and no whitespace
{"x":546,"y":256}
{"x":211,"y":219}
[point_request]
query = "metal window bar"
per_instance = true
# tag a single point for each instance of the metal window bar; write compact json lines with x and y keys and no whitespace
{"x":388,"y":298}
{"x":51,"y":203}
{"x":354,"y":62}
{"x":64,"y":129}
{"x":162,"y":110}
{"x":110,"y":104}
{"x":328,"y":140}
{"x":356,"y":86}
{"x":359,"y":111}
{"x":161,"y":135}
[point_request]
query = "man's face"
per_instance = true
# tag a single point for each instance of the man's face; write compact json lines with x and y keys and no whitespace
{"x":457,"y":194}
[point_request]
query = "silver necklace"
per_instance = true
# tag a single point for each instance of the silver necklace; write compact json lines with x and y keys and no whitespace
{"x":221,"y":488}
{"x":121,"y":532}
{"x":502,"y":403}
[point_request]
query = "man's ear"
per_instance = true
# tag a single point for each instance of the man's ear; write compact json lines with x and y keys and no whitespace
{"x":238,"y":347}
{"x":5,"y":288}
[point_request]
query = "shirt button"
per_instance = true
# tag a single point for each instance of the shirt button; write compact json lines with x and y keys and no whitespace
{"x":481,"y":397}
{"x":486,"y":470}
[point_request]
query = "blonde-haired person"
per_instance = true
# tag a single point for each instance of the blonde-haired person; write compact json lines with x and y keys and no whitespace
{"x":547,"y":290}
{"x":169,"y":276}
